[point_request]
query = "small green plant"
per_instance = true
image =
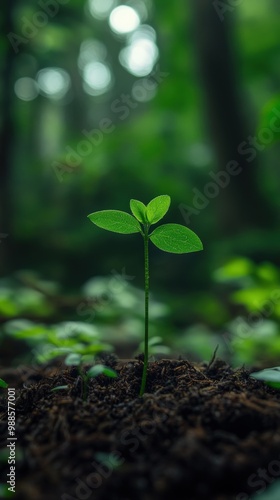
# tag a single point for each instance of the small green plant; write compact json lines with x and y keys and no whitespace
{"x":75,"y":359}
{"x":3,"y":384}
{"x":271,"y":376}
{"x":173,"y":238}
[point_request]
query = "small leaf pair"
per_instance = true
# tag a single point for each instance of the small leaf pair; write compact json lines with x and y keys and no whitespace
{"x":173,"y":238}
{"x":153,"y":212}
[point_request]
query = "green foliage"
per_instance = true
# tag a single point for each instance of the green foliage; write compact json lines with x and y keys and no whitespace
{"x":272,"y":492}
{"x":156,"y":346}
{"x":115,"y":221}
{"x":96,"y":370}
{"x":172,"y":238}
{"x":60,"y":388}
{"x":270,"y":119}
{"x":234,"y":269}
{"x":143,"y":153}
{"x":108,"y":458}
{"x":198,"y":341}
{"x":3,"y":384}
{"x":255,"y":332}
{"x":19,"y":301}
{"x":75,"y":359}
{"x":175,"y":238}
{"x":251,"y":340}
{"x":157,"y":208}
{"x":79,"y":342}
{"x":139,"y":210}
{"x":67,"y":338}
{"x":271,"y":376}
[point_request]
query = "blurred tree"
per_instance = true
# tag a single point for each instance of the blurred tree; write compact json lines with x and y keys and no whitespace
{"x":7,"y":129}
{"x":243,"y":205}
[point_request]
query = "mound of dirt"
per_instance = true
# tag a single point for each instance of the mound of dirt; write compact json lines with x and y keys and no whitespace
{"x":200,"y":432}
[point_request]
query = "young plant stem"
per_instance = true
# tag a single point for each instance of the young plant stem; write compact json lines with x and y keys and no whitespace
{"x":147,"y":283}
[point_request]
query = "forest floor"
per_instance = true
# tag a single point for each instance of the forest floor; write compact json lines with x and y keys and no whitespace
{"x":200,"y":432}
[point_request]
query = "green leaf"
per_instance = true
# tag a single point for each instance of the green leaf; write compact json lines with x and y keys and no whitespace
{"x":115,"y":221}
{"x":73,"y":359}
{"x":139,"y":210}
{"x":268,"y":375}
{"x":269,"y":119}
{"x":175,"y":238}
{"x":96,"y":370}
{"x":3,"y":384}
{"x":274,"y":385}
{"x":272,"y":492}
{"x":157,"y":208}
{"x":60,"y":388}
{"x":93,"y":349}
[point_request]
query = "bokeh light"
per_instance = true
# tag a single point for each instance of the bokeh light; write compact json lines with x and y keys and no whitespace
{"x":140,"y":56}
{"x":53,"y":82}
{"x":100,"y":9}
{"x":26,"y":89}
{"x":124,"y":19}
{"x":97,"y":78}
{"x":91,"y":50}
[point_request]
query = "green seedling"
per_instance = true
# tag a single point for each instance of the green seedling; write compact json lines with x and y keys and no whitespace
{"x":3,"y":384}
{"x":271,"y":376}
{"x":59,"y":388}
{"x":50,"y":342}
{"x":75,"y":359}
{"x":173,"y":238}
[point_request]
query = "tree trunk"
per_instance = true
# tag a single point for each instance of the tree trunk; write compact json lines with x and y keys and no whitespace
{"x":239,"y":205}
{"x":6,"y":136}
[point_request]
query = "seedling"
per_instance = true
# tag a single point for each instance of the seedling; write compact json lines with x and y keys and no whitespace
{"x":271,"y":376}
{"x":3,"y":384}
{"x":75,"y":359}
{"x":173,"y":238}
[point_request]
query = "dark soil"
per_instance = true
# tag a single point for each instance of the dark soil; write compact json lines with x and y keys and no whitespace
{"x":199,"y":432}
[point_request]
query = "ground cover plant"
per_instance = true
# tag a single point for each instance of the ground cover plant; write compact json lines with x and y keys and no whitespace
{"x":76,"y":359}
{"x":173,"y":238}
{"x":3,"y":384}
{"x":271,"y":376}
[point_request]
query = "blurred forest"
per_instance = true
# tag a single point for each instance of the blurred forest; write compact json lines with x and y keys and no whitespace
{"x":103,"y":101}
